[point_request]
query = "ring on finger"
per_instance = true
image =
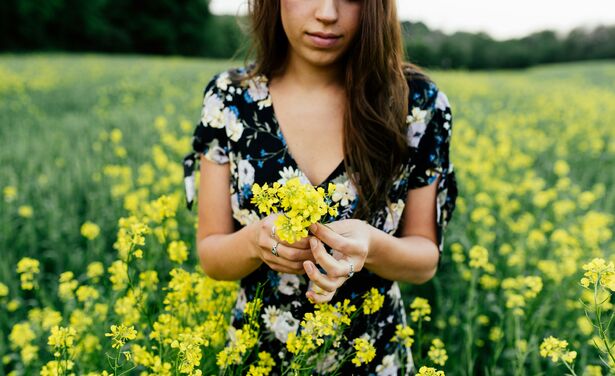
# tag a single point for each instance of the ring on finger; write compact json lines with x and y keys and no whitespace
{"x":351,"y":272}
{"x":274,"y":249}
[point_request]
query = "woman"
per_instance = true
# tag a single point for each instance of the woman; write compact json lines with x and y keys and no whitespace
{"x":347,"y":111}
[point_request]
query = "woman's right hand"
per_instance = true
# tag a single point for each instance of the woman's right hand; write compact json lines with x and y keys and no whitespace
{"x":290,"y":257}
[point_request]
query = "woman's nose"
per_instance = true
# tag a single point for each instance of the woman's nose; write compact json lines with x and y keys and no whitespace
{"x":326,"y":11}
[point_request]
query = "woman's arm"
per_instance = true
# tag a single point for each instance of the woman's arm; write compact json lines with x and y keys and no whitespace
{"x":228,"y":255}
{"x":223,"y":254}
{"x":412,"y":258}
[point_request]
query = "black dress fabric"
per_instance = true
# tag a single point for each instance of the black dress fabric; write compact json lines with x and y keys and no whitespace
{"x":238,"y":127}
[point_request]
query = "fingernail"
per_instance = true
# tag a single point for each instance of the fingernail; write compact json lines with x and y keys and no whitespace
{"x":312,"y":242}
{"x":313,"y":227}
{"x":308,"y":267}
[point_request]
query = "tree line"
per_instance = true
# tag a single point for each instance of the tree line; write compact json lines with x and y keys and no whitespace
{"x":187,"y":27}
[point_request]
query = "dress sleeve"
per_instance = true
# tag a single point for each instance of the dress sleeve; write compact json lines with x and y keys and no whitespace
{"x":209,"y":138}
{"x":429,"y":140}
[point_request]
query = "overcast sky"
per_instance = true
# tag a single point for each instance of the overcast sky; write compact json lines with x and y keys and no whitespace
{"x":501,"y":19}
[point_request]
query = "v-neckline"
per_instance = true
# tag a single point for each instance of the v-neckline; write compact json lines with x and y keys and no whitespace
{"x":278,"y":129}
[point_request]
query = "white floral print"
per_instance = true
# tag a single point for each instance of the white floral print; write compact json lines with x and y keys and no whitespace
{"x":245,"y":172}
{"x":279,"y":322}
{"x":289,"y":284}
{"x":393,"y":216}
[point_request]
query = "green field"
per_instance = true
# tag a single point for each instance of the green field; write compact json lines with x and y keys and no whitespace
{"x":99,"y":137}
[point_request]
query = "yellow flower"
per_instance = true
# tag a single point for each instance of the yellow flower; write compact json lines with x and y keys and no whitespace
{"x":87,"y":293}
{"x":62,"y":337}
{"x":478,"y":257}
{"x":10,"y":193}
{"x":591,"y":370}
{"x":437,"y":353}
{"x":556,"y":349}
{"x":119,"y":274}
{"x":429,"y":371}
{"x":404,"y":335}
{"x":242,"y":340}
{"x":21,"y":335}
{"x":27,"y":268}
{"x":496,"y":334}
{"x":373,"y":301}
{"x":598,"y":269}
{"x":178,"y":251}
{"x":12,"y":305}
{"x":561,"y":168}
{"x":25,"y":211}
{"x":116,"y":135}
{"x":67,"y":286}
{"x":301,"y":204}
{"x":265,"y":197}
{"x":90,"y":230}
{"x":421,"y":309}
{"x":120,"y":334}
{"x":365,"y":351}
{"x":4,"y":290}
{"x":54,"y":367}
{"x":95,"y":270}
{"x":263,"y":366}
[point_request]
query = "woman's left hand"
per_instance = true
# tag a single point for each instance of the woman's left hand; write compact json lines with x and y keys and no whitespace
{"x":350,"y":241}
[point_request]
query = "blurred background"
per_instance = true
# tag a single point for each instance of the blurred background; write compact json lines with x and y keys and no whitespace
{"x":476,"y":34}
{"x":98,"y":103}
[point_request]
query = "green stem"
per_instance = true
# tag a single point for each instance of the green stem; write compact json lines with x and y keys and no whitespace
{"x":601,"y":329}
{"x":569,"y":368}
{"x":469,"y":329}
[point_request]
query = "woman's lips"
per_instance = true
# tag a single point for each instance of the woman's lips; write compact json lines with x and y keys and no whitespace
{"x":323,"y":40}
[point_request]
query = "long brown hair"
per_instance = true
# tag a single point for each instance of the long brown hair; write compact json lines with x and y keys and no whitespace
{"x":377,"y":84}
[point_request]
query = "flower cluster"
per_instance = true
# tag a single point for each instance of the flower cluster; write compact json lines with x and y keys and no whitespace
{"x":326,"y":322}
{"x":365,"y":351}
{"x":519,"y":289}
{"x":403,"y":334}
{"x":27,"y":268}
{"x":61,"y":338}
{"x":556,"y":349}
{"x":300,"y":204}
{"x":420,"y":309}
{"x":599,"y":270}
{"x":373,"y":301}
{"x":263,"y":366}
{"x":121,"y":334}
{"x":429,"y":371}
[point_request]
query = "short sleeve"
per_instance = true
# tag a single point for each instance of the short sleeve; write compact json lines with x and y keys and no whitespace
{"x":210,"y":137}
{"x":429,"y":139}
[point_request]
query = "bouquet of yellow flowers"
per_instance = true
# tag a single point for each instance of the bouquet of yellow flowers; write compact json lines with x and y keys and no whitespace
{"x":300,"y":204}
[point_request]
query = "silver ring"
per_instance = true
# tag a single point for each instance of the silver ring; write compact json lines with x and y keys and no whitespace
{"x":351,"y":272}
{"x":274,"y":249}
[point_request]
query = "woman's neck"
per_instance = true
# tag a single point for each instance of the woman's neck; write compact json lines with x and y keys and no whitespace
{"x":310,"y":76}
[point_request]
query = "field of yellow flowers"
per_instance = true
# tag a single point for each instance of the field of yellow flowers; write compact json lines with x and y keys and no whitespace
{"x":100,"y":275}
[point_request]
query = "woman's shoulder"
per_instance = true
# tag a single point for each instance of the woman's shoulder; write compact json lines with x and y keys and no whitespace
{"x":429,"y":112}
{"x":424,"y":93}
{"x":238,"y":85}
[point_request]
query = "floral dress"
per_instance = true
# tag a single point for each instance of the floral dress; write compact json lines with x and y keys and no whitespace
{"x":238,"y":127}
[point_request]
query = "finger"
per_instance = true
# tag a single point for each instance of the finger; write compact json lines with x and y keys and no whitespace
{"x":294,"y":254}
{"x":282,"y":269}
{"x":332,"y":267}
{"x":318,"y":298}
{"x":320,"y":279}
{"x":272,"y":259}
{"x":302,"y":243}
{"x":330,"y":237}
